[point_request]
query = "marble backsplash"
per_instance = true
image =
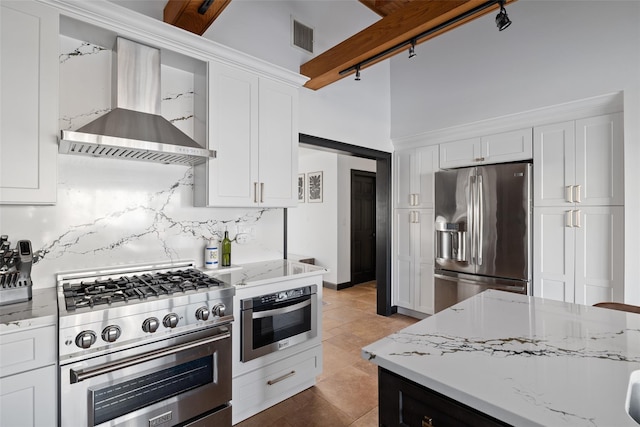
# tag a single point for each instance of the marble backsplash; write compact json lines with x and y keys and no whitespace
{"x":117,"y":212}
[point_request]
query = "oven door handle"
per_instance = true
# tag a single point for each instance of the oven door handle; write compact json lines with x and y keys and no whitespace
{"x":283,"y":310}
{"x":81,"y":375}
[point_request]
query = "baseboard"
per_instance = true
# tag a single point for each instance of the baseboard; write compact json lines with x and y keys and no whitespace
{"x":412,"y":313}
{"x":336,"y":286}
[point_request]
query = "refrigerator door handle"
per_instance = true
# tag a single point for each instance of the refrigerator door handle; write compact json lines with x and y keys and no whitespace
{"x":472,"y":218}
{"x":480,"y":220}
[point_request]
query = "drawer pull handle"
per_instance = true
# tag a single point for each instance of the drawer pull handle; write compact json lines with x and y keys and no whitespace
{"x":282,"y":378}
{"x":427,"y":422}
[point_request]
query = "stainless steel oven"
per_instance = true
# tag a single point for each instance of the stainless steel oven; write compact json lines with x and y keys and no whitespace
{"x":146,"y":346}
{"x":277,"y":321}
{"x":170,"y":383}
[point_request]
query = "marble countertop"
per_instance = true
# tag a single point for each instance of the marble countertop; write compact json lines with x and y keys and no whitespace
{"x":524,"y":360}
{"x":42,"y":310}
{"x":265,"y":272}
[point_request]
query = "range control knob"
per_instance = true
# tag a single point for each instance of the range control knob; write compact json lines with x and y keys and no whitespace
{"x":150,"y":325}
{"x":170,"y":320}
{"x":202,"y":313}
{"x":111,"y":333}
{"x":86,"y":339}
{"x":218,"y":310}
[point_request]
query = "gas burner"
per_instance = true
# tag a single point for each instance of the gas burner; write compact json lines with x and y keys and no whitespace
{"x":105,"y":291}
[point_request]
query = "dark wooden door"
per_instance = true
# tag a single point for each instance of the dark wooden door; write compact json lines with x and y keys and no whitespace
{"x":363,"y":226}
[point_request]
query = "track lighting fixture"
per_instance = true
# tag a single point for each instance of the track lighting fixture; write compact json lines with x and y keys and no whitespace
{"x":502,"y":22}
{"x":502,"y":19}
{"x":412,"y":49}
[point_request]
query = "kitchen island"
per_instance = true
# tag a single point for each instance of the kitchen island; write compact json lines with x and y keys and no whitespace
{"x":512,"y":359}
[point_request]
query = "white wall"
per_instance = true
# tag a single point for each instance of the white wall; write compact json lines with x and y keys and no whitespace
{"x":345,"y":165}
{"x":312,"y":227}
{"x":554,"y":52}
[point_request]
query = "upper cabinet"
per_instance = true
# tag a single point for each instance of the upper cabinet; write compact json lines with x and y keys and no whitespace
{"x":253,"y":127}
{"x":578,"y":162}
{"x":499,"y":148}
{"x":29,"y":103}
{"x":414,"y":177}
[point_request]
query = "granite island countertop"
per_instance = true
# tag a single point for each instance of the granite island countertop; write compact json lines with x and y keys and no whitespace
{"x":523,"y":360}
{"x":265,"y":272}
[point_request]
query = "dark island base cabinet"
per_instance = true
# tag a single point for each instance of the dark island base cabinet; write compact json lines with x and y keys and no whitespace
{"x":407,"y":404}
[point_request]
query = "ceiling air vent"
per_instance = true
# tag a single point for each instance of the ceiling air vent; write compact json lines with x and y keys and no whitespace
{"x":302,"y":36}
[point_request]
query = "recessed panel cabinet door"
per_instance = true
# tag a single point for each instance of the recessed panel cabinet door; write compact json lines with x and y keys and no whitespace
{"x":29,"y":103}
{"x":404,"y":249}
{"x":553,"y":257}
{"x":423,"y":300}
{"x":278,"y":152}
{"x":554,"y":164}
{"x":599,"y":254}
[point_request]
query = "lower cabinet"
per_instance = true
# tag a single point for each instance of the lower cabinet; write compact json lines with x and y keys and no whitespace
{"x":413,"y":260}
{"x":28,"y":394}
{"x":407,"y":404}
{"x":578,"y":254}
{"x":258,"y":390}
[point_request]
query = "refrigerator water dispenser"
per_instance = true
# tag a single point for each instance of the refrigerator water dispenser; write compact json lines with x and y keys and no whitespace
{"x":450,"y":241}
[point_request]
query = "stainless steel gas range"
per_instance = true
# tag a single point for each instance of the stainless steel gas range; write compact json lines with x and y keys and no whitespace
{"x":145,"y":345}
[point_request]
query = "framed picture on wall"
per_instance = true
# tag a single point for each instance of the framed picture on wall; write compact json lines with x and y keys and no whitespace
{"x":301,"y":188}
{"x":314,"y":182}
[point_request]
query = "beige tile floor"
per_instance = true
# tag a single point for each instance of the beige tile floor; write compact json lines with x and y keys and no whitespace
{"x":346,"y":393}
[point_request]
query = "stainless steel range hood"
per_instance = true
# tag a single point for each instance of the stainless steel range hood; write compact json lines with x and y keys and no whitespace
{"x":135,"y":130}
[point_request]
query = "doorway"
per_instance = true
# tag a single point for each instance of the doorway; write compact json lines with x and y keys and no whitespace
{"x":382,"y":210}
{"x":363,"y":226}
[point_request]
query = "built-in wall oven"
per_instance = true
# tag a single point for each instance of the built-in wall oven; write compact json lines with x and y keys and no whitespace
{"x":277,"y":321}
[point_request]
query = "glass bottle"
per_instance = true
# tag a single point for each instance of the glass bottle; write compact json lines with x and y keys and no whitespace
{"x":226,"y":250}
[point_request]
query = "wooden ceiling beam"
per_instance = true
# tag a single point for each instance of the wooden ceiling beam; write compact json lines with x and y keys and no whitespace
{"x":184,"y":14}
{"x":400,"y":26}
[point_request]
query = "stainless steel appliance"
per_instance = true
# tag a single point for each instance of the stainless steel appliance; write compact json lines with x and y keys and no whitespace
{"x":145,"y":346}
{"x":135,"y":128}
{"x":277,"y":321}
{"x":482,"y":231}
{"x":15,"y":271}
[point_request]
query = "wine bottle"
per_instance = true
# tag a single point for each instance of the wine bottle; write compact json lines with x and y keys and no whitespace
{"x":226,"y":250}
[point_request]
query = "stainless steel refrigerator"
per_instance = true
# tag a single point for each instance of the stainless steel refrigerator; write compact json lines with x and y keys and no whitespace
{"x":482,"y":231}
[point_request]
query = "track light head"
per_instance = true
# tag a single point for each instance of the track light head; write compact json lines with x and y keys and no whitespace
{"x":357,"y":73}
{"x":412,"y":49}
{"x":502,"y":19}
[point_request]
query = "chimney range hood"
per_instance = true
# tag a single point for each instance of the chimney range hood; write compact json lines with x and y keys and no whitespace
{"x":134,"y":129}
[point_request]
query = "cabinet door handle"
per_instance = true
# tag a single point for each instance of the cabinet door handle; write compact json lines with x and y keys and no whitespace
{"x":411,"y":199}
{"x":568,"y":193}
{"x":282,"y":378}
{"x":569,"y":218}
{"x":578,"y":195}
{"x":416,"y":199}
{"x":262,"y":192}
{"x":255,"y":192}
{"x":577,"y":214}
{"x":427,"y":421}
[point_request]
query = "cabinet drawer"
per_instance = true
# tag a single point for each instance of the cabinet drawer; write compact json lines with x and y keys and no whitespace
{"x":264,"y":387}
{"x":27,"y":350}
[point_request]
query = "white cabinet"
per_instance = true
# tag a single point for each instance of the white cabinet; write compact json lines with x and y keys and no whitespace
{"x":578,"y":162}
{"x":413,"y":260}
{"x":414,"y":177}
{"x":499,"y":148}
{"x":253,"y":127}
{"x":578,"y":254}
{"x":29,"y":103}
{"x":28,"y":371}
